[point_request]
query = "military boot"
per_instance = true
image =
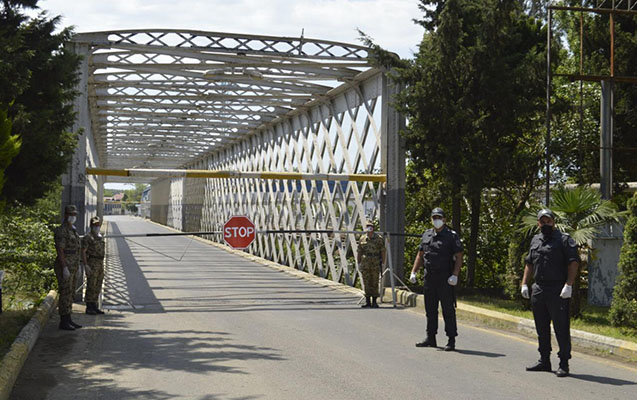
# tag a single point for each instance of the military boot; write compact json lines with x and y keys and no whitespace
{"x":76,"y":326}
{"x":65,"y":324}
{"x":562,"y":371}
{"x":90,"y":308}
{"x":429,"y":342}
{"x":451,"y":344}
{"x":374,"y":304}
{"x":97,"y":310}
{"x":367,"y":303}
{"x":542,"y":365}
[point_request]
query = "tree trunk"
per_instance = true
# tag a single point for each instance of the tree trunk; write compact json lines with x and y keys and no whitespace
{"x":473,"y":239}
{"x":456,"y":202}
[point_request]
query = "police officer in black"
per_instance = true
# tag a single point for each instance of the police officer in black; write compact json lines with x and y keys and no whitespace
{"x":440,"y":252}
{"x":553,"y":260}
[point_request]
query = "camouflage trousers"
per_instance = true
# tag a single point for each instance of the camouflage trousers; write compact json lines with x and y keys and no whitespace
{"x":94,"y":279}
{"x":370,"y":272}
{"x":66,"y":287}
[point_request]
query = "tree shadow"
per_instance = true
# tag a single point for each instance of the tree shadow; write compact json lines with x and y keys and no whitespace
{"x":58,"y":363}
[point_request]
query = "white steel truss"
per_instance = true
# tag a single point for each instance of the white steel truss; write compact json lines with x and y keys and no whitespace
{"x":163,"y":98}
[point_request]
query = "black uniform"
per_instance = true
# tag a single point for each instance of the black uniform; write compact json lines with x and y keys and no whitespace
{"x":550,"y":257}
{"x":438,"y":250}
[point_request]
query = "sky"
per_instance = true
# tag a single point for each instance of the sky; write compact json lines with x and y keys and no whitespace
{"x":388,"y":22}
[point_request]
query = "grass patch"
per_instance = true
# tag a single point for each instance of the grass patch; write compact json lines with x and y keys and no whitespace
{"x":11,"y":323}
{"x":594,"y":319}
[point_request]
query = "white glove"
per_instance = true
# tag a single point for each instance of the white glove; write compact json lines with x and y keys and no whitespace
{"x":525,"y":291}
{"x":66,"y":274}
{"x":567,"y":291}
{"x":412,"y":278}
{"x":453,"y":280}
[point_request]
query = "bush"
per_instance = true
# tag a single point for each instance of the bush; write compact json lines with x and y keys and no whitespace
{"x":27,"y":251}
{"x":623,"y":311}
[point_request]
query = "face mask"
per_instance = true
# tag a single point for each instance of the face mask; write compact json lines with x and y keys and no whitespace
{"x":95,"y":229}
{"x":438,"y":223}
{"x":369,"y":229}
{"x":71,"y":219}
{"x":546,"y":229}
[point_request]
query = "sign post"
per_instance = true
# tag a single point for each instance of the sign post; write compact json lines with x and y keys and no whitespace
{"x":239,"y":232}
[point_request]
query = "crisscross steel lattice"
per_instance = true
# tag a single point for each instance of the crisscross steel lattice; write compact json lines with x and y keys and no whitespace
{"x":162,"y":98}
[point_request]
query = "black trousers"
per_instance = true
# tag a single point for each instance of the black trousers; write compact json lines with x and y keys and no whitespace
{"x":548,"y":306}
{"x":437,"y":290}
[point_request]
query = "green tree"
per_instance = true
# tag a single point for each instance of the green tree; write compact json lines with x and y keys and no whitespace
{"x":623,"y":310}
{"x":9,"y":146}
{"x":38,"y":79}
{"x":474,"y":98}
{"x":582,"y":213}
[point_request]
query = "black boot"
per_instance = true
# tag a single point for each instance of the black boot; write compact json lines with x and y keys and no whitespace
{"x":90,"y":308}
{"x":451,"y":344}
{"x":65,"y":324}
{"x":374,"y":304}
{"x":544,"y":364}
{"x":562,"y":371}
{"x":367,"y":303}
{"x":97,"y":310}
{"x":429,"y":342}
{"x":76,"y":326}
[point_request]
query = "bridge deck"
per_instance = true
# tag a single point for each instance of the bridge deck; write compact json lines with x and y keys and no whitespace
{"x":213,"y":325}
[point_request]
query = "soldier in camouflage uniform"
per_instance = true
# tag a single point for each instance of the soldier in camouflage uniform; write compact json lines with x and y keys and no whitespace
{"x":93,"y":257}
{"x":371,"y":255}
{"x":67,"y":246}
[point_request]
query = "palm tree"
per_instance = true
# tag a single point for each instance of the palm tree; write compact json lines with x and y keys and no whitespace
{"x":582,"y":213}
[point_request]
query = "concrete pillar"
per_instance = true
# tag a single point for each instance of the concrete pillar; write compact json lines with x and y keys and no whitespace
{"x":602,"y":265}
{"x":74,"y":181}
{"x":392,"y":215}
{"x":606,"y":140}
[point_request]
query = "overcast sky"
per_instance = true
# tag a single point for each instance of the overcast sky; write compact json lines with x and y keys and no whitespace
{"x":388,"y":22}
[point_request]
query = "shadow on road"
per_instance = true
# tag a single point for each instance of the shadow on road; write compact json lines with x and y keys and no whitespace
{"x":603,"y":380}
{"x":88,"y":362}
{"x":479,"y":353}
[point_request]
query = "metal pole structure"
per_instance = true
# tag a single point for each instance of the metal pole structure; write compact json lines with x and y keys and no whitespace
{"x":391,"y":268}
{"x":606,"y":122}
{"x":392,"y":215}
{"x":606,"y":140}
{"x":548,"y":107}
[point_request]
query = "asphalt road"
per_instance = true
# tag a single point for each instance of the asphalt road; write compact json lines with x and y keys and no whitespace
{"x":188,"y":320}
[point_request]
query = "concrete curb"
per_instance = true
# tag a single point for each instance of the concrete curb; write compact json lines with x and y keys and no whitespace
{"x":598,"y":343}
{"x":13,"y":361}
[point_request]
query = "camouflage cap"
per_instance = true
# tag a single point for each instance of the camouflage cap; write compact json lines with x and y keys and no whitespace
{"x":70,"y":210}
{"x":437,"y":212}
{"x":95,"y":221}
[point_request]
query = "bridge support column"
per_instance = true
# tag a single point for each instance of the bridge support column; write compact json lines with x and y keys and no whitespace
{"x":392,"y":215}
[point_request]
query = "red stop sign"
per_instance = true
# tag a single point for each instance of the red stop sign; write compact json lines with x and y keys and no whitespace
{"x":239,"y":232}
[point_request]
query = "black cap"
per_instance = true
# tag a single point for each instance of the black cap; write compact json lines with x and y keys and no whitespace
{"x":545,"y":212}
{"x":438,"y":212}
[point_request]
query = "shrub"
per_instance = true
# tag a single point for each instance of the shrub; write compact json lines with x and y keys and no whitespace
{"x":27,"y":253}
{"x":623,"y":311}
